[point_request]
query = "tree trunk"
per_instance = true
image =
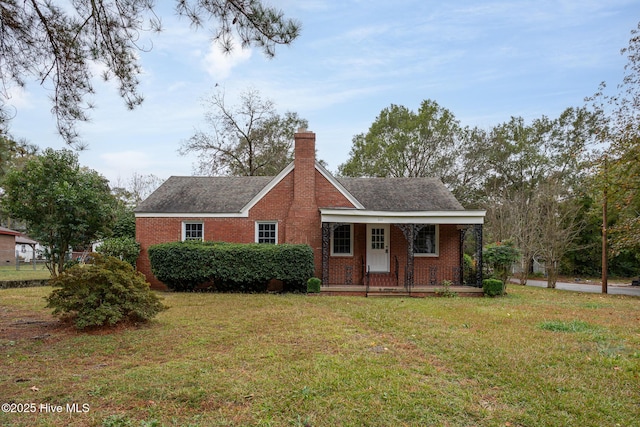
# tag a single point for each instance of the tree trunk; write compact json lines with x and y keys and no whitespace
{"x":552,"y":275}
{"x":526,"y":267}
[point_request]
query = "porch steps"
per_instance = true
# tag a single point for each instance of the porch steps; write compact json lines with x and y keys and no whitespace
{"x":388,"y":292}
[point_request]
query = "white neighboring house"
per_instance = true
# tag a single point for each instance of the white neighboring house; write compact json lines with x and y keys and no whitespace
{"x":27,"y":249}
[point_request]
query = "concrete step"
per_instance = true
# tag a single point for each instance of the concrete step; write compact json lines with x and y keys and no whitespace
{"x":388,"y":292}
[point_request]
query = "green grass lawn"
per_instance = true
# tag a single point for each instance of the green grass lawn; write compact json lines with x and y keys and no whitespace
{"x":26,"y":272}
{"x":536,"y":357}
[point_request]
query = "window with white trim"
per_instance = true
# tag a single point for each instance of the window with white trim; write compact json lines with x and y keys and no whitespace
{"x":425,"y":242}
{"x":267,"y":232}
{"x":192,"y":231}
{"x":342,"y":240}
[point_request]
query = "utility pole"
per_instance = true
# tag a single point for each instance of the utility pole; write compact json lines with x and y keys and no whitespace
{"x":605,"y":258}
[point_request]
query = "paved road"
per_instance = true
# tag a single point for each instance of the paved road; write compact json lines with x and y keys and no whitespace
{"x":593,"y":288}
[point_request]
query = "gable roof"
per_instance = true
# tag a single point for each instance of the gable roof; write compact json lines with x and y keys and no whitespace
{"x":191,"y":194}
{"x":230,"y":196}
{"x":401,"y":194}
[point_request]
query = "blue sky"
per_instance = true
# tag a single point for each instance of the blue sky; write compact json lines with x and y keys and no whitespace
{"x":485,"y":61}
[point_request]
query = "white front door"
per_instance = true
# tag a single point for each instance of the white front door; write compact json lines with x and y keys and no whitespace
{"x":378,"y":247}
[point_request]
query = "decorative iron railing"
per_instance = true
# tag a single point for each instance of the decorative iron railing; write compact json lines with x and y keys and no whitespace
{"x":434,"y":275}
{"x":366,"y":281}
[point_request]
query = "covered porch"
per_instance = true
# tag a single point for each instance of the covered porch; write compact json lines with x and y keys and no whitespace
{"x":399,"y":253}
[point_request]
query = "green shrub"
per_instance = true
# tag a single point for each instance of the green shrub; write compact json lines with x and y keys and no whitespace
{"x":313,"y":285}
{"x":232,"y":267}
{"x":124,"y":248}
{"x":499,"y":258}
{"x":183,"y":266}
{"x":493,"y":287}
{"x":104,"y":291}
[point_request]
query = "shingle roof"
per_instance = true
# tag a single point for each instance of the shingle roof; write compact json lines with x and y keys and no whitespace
{"x":4,"y":230}
{"x":190,"y":194}
{"x":180,"y":194}
{"x":401,"y":194}
{"x":24,"y":240}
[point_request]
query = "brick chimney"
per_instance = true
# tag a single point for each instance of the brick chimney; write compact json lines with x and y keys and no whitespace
{"x":304,"y":172}
{"x":303,"y":220}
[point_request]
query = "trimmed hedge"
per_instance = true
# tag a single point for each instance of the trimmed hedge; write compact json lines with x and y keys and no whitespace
{"x":182,"y":266}
{"x":493,"y":287}
{"x":231,"y":267}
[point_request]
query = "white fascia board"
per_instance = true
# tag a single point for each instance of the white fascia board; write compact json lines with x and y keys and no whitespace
{"x":338,"y":186}
{"x":192,"y":215}
{"x":275,"y":181}
{"x":398,"y":217}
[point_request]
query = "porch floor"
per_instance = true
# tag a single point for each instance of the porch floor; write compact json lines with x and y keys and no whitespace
{"x":397,"y":291}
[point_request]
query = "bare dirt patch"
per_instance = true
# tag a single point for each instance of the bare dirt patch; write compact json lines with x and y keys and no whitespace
{"x":18,"y":325}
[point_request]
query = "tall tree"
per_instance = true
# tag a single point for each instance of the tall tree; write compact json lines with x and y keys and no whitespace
{"x":558,"y":223}
{"x":13,"y":154}
{"x":245,"y":139}
{"x":59,"y":42}
{"x":404,"y":143}
{"x":519,"y":161}
{"x":63,"y":204}
{"x":619,"y":131}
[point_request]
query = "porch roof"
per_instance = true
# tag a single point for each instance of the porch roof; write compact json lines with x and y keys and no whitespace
{"x":402,"y":217}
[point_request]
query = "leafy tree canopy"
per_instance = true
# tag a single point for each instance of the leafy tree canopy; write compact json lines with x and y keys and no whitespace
{"x":63,"y":204}
{"x":14,"y":153}
{"x":59,"y":43}
{"x":619,"y":131}
{"x":404,"y":143}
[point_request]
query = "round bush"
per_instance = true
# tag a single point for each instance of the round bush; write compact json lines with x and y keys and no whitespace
{"x":313,"y":285}
{"x":493,"y":287}
{"x":104,"y":291}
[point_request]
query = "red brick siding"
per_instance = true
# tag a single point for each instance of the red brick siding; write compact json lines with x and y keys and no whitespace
{"x":7,"y":249}
{"x":327,"y":196}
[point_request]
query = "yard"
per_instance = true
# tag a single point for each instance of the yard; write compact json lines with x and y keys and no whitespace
{"x":25,"y":272}
{"x":536,"y":357}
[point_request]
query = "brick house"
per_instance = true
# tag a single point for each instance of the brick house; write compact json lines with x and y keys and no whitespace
{"x":8,"y":246}
{"x":368,"y":234}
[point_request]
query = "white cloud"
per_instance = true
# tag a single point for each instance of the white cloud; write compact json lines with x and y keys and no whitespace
{"x":219,"y":64}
